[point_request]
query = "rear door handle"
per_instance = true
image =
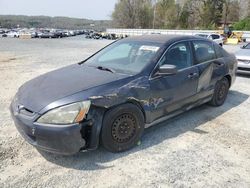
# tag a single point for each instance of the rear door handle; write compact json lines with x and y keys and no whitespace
{"x":193,"y":75}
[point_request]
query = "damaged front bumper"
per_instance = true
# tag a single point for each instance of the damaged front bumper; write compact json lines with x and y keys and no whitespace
{"x":60,"y":139}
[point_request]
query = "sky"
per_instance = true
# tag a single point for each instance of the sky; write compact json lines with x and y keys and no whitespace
{"x":90,"y":9}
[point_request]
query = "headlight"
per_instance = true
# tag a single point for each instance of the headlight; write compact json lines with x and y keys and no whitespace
{"x":68,"y":114}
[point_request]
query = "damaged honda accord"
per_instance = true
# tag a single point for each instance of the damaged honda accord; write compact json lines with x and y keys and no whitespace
{"x":113,"y":95}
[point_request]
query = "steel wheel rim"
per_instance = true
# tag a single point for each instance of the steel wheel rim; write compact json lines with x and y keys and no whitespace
{"x":124,"y":128}
{"x":222,"y":91}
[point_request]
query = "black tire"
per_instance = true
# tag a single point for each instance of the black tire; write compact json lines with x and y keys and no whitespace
{"x":220,"y":92}
{"x":122,"y":128}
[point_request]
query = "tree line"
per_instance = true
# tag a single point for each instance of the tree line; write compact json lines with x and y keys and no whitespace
{"x":13,"y":21}
{"x":180,"y":14}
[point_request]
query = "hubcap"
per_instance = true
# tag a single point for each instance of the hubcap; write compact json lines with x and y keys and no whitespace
{"x":124,"y":128}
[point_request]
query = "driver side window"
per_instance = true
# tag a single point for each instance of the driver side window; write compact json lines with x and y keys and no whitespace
{"x":178,"y":55}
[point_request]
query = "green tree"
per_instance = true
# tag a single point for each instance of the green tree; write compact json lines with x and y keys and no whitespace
{"x":243,"y":24}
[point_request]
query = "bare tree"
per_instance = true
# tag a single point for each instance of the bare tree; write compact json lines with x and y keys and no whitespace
{"x":167,"y":14}
{"x":173,"y":14}
{"x":133,"y":14}
{"x":231,"y":11}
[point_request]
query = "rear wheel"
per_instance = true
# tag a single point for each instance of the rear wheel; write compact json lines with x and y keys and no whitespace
{"x":220,"y":92}
{"x":122,"y":128}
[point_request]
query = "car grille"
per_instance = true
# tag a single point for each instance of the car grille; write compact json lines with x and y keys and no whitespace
{"x":244,"y":61}
{"x":243,"y":69}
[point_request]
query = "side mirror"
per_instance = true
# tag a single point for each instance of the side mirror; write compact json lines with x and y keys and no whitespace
{"x":167,"y":70}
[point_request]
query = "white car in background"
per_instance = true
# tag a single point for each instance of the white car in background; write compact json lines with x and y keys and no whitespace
{"x":13,"y":34}
{"x":243,"y":58}
{"x":213,"y":36}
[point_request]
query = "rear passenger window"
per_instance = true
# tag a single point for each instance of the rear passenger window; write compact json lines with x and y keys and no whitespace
{"x":178,"y":55}
{"x":204,"y":51}
{"x":215,"y":37}
{"x":220,"y":52}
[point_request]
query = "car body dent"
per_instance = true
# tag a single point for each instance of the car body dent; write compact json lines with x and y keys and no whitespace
{"x":111,"y":94}
{"x":205,"y":76}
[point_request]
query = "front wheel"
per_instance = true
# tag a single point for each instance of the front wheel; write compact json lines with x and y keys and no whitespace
{"x":122,"y":128}
{"x":220,"y":92}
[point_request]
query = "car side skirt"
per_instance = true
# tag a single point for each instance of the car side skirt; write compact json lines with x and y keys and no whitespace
{"x":180,"y":111}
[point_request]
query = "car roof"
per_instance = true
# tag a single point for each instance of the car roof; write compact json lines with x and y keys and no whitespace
{"x":207,"y":34}
{"x":202,"y":33}
{"x":161,"y":38}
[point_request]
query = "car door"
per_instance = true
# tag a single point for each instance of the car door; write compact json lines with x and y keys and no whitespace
{"x":208,"y":66}
{"x":171,"y":92}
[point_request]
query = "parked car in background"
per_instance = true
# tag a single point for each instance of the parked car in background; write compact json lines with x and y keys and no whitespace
{"x":33,"y":34}
{"x":47,"y":34}
{"x":88,"y":36}
{"x":219,"y":39}
{"x":13,"y":34}
{"x":97,"y":36}
{"x":2,"y":33}
{"x":59,"y":34}
{"x":113,"y":95}
{"x":42,"y":32}
{"x":243,"y":58}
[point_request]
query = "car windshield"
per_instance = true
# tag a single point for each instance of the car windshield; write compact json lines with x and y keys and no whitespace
{"x":247,"y":46}
{"x":202,"y":35}
{"x":129,"y":57}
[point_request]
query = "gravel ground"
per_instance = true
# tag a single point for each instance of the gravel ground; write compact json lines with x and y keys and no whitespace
{"x":205,"y":147}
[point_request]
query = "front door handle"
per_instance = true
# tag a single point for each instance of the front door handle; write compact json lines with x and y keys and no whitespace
{"x":193,"y":75}
{"x":219,"y":64}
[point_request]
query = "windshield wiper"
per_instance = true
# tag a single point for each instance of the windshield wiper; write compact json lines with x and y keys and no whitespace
{"x":105,"y":69}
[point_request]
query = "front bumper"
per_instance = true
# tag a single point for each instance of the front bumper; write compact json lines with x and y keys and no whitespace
{"x":243,"y":68}
{"x":60,"y":139}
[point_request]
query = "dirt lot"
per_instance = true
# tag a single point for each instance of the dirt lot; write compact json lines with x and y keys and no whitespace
{"x":205,"y":147}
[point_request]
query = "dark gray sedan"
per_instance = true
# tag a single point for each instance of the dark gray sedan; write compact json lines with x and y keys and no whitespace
{"x":113,"y":95}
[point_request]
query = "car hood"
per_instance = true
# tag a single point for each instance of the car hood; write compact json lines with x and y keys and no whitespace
{"x":243,"y":54}
{"x":45,"y":89}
